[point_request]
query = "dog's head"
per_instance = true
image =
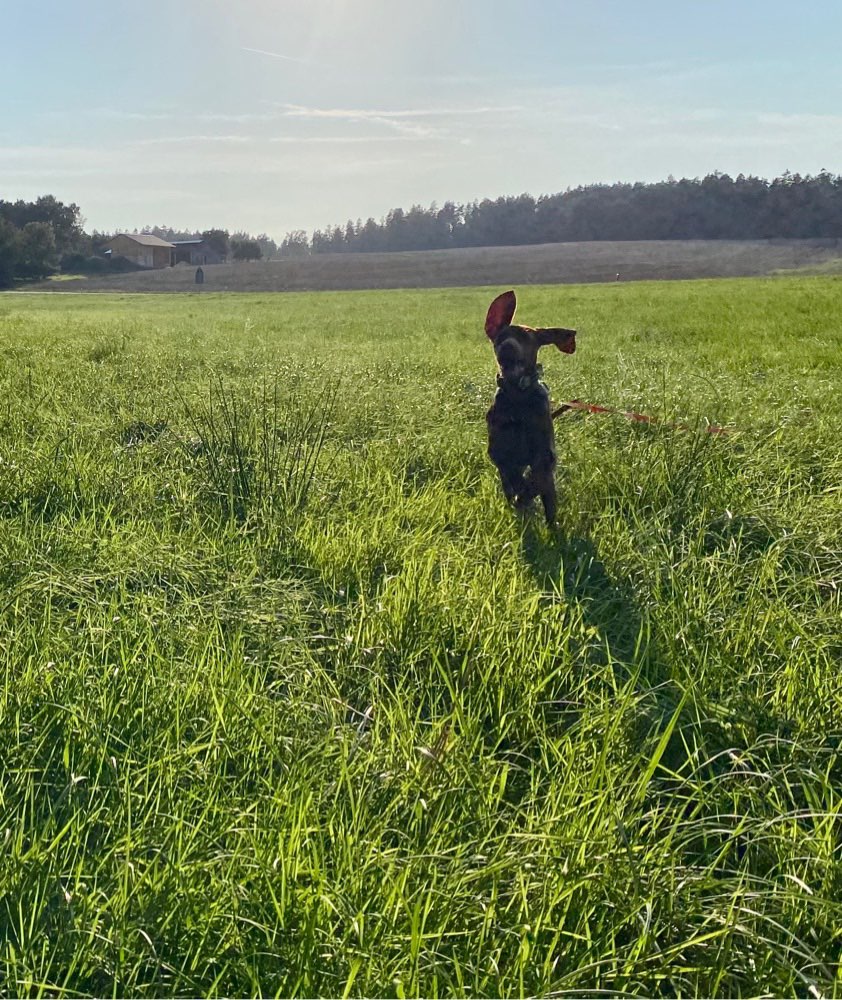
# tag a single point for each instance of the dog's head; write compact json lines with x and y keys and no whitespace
{"x":516,"y":347}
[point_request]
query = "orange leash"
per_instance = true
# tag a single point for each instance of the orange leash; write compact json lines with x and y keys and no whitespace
{"x":640,"y":418}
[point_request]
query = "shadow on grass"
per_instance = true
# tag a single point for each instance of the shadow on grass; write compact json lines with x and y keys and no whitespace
{"x":621,"y":670}
{"x":573,"y":568}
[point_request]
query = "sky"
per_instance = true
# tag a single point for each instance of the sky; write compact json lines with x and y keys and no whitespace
{"x":276,"y":115}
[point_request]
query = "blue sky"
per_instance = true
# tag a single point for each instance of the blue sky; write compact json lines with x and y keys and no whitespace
{"x":272,"y":115}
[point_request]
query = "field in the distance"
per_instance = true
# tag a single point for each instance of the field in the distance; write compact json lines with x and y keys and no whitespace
{"x":294,"y":706}
{"x":551,"y":263}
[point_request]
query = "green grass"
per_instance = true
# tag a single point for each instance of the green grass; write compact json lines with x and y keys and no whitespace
{"x":293,"y":705}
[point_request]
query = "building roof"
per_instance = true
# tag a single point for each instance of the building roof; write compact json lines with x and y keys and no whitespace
{"x":145,"y":239}
{"x":187,"y":243}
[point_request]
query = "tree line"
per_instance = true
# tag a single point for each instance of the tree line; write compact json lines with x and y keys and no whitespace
{"x":714,"y":207}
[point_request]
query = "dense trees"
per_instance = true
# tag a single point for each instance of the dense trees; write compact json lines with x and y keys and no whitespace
{"x":245,"y":249}
{"x":295,"y":244}
{"x":713,"y":207}
{"x":8,"y":253}
{"x":64,"y":220}
{"x":36,"y":250}
{"x":266,"y":246}
{"x":218,"y":241}
{"x":33,"y":234}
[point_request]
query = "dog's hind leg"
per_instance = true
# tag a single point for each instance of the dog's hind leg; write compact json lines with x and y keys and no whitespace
{"x":548,"y":499}
{"x":542,"y":483}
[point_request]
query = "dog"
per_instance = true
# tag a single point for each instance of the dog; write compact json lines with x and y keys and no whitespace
{"x":521,"y":442}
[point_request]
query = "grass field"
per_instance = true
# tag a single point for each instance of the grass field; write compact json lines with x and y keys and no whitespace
{"x":550,"y":263}
{"x":294,"y":706}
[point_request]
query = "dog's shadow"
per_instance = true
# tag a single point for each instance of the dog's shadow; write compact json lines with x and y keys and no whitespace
{"x":571,"y":568}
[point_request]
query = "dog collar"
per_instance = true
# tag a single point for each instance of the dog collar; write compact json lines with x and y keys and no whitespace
{"x":524,"y":382}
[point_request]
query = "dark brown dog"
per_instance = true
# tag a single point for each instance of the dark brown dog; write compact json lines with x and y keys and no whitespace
{"x":521,"y":442}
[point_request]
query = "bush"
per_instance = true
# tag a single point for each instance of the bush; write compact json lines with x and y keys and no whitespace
{"x":79,"y":263}
{"x":247,"y":250}
{"x":8,"y":253}
{"x":120,"y":265}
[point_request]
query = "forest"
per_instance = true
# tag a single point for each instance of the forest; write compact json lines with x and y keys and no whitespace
{"x":715,"y":207}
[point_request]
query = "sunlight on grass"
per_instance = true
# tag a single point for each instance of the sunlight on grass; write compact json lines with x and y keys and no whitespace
{"x":293,"y":705}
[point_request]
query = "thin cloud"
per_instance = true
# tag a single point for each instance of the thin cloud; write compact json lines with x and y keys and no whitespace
{"x":320,"y":140}
{"x":279,"y":55}
{"x":182,"y":139}
{"x":302,"y":111}
{"x":392,"y":120}
{"x":401,"y":120}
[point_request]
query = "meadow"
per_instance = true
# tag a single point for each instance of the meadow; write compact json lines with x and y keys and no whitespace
{"x":293,"y":705}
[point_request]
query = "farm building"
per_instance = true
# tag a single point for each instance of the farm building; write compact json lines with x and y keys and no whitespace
{"x":195,"y":252}
{"x":146,"y":250}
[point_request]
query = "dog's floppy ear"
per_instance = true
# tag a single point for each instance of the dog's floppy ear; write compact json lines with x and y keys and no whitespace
{"x":564,"y":340}
{"x":500,"y":313}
